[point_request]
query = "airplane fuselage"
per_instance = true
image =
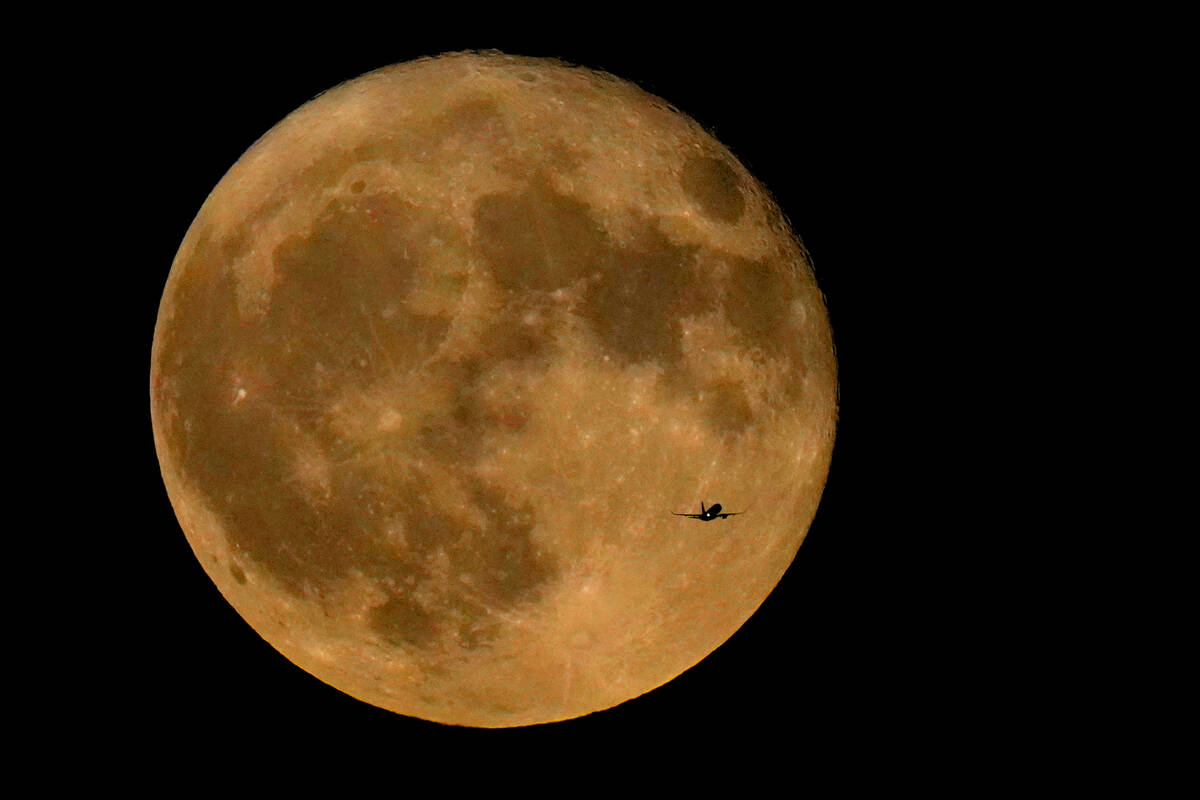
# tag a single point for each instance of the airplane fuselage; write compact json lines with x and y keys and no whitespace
{"x":708,"y":514}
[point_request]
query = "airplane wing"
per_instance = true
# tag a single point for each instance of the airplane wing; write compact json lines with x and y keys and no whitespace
{"x":728,"y":514}
{"x":693,"y":516}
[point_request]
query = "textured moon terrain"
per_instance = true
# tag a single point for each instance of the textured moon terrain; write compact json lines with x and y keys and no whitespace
{"x":439,"y":356}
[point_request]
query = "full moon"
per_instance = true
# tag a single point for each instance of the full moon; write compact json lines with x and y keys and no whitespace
{"x":441,"y":354}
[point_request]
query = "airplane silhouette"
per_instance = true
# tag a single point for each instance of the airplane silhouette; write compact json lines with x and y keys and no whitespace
{"x":710,"y":513}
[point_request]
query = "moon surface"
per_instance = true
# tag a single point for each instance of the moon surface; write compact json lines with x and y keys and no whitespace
{"x":443,"y":350}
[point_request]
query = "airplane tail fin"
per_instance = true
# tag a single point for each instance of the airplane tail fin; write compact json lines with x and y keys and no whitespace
{"x":702,"y":508}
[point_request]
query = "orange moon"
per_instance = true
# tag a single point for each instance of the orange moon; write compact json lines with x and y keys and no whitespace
{"x":439,"y":356}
